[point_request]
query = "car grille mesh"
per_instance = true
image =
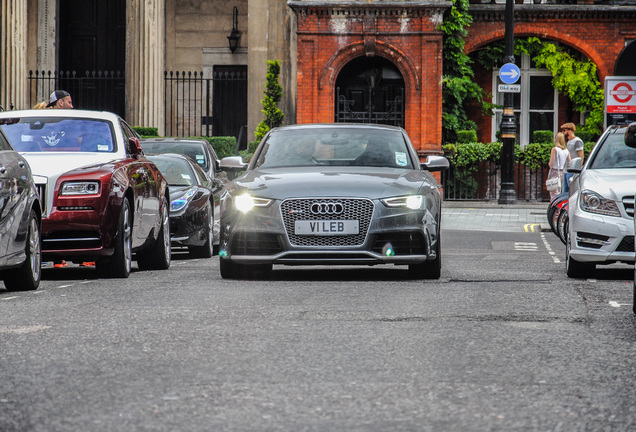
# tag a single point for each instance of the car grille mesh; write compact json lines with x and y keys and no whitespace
{"x":300,"y":209}
{"x":626,"y":245}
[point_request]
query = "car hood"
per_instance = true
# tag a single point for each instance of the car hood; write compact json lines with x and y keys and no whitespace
{"x":52,"y":165}
{"x":610,"y":183}
{"x":333,"y":182}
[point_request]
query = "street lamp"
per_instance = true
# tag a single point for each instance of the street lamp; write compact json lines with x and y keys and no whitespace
{"x":507,"y":194}
{"x":235,"y":35}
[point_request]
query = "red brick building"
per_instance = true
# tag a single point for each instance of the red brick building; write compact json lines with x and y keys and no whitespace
{"x":382,"y":61}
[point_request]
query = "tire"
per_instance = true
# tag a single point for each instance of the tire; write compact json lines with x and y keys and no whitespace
{"x":27,"y":277}
{"x":562,"y":225}
{"x":429,"y":269}
{"x":574,"y":268}
{"x":158,"y":257}
{"x":228,"y":269}
{"x":207,"y":250}
{"x":551,"y":213}
{"x":120,"y":263}
{"x":634,"y":294}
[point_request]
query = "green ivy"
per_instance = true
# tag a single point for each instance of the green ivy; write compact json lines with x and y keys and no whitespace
{"x":458,"y":83}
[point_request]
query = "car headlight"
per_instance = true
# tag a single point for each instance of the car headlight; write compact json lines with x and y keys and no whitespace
{"x":183,"y":200}
{"x":594,"y":203}
{"x":245,"y":203}
{"x":80,"y":188}
{"x":413,"y":202}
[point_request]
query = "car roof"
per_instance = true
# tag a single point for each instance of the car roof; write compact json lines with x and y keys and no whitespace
{"x":69,"y":113}
{"x":171,"y":156}
{"x":617,"y":129}
{"x":340,"y":126}
{"x":174,"y":140}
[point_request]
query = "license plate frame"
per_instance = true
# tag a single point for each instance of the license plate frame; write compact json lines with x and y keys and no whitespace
{"x":335,"y":227}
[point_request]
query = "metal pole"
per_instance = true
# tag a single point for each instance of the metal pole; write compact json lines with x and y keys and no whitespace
{"x":507,"y":194}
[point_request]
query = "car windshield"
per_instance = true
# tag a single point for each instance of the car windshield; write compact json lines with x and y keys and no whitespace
{"x":176,"y":170}
{"x":196,"y":151}
{"x":335,"y":146}
{"x":613,"y":153}
{"x":49,"y":134}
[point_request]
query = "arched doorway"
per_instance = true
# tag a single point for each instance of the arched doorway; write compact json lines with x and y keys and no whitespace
{"x":370,"y":90}
{"x":626,"y":61}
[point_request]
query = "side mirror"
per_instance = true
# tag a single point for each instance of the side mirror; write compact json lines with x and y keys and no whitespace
{"x":135,"y":146}
{"x":233,"y":163}
{"x":575,"y":165}
{"x":435,"y":163}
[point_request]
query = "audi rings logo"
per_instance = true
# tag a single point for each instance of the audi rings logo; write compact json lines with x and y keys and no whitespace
{"x":327,"y":208}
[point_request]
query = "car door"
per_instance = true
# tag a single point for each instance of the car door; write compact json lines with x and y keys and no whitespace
{"x":143,"y":176}
{"x":14,"y":184}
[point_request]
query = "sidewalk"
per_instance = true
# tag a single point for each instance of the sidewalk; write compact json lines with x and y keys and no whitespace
{"x":528,"y":216}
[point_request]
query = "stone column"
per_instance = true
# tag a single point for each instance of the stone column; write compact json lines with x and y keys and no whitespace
{"x":145,"y":50}
{"x":13,"y":54}
{"x":257,"y":56}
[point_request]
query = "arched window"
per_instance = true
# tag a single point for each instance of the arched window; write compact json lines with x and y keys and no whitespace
{"x":536,"y":106}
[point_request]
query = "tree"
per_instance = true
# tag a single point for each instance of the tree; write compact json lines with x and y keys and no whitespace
{"x":273,"y":94}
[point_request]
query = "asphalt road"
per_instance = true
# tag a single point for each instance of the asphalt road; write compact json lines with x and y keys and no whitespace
{"x":504,"y":341}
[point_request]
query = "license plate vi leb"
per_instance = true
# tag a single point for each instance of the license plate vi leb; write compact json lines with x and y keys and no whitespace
{"x":326,"y":227}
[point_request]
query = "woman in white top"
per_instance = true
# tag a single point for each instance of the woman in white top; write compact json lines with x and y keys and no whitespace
{"x":559,"y":156}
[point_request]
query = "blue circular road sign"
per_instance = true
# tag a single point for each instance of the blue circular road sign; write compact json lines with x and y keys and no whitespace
{"x":509,"y":73}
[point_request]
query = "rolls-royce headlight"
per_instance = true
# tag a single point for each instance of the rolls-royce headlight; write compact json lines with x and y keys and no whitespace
{"x":80,"y":188}
{"x":413,"y":202}
{"x":245,"y":203}
{"x":592,"y":202}
{"x":183,"y":200}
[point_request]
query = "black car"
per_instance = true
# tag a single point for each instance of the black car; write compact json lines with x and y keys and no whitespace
{"x":191,"y":205}
{"x":20,"y":219}
{"x":201,"y":152}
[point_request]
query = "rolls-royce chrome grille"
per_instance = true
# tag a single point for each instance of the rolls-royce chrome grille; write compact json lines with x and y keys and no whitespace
{"x":327,"y":209}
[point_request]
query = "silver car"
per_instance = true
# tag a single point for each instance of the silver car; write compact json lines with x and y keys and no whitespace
{"x":332,"y":194}
{"x":20,"y":222}
{"x":601,"y":206}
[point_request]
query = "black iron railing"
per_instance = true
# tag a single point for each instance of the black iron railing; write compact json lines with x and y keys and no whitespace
{"x":97,"y":90}
{"x":484,"y":182}
{"x":190,"y":104}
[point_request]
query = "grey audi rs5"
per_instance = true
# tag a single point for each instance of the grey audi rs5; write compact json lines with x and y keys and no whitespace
{"x":331,"y":194}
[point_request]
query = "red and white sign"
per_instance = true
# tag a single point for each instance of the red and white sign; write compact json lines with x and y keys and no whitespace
{"x":620,"y":94}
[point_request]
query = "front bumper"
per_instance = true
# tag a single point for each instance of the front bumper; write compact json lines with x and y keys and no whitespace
{"x":389,"y":236}
{"x":599,"y":238}
{"x":77,"y":233}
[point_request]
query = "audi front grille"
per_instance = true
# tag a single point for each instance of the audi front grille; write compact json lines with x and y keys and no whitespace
{"x":327,"y":209}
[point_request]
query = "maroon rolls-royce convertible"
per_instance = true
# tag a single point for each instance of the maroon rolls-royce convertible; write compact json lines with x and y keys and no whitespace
{"x":103,"y":201}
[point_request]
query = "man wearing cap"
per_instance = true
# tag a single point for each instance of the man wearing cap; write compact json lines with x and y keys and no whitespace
{"x":60,"y":99}
{"x":575,"y":147}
